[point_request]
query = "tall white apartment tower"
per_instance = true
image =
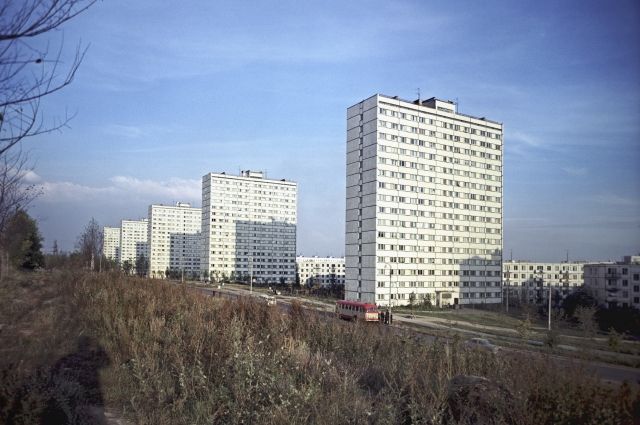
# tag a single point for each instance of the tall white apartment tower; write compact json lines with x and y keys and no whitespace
{"x":249,"y":227}
{"x":111,"y":242}
{"x":133,"y":240}
{"x":174,"y":240}
{"x":423,"y":204}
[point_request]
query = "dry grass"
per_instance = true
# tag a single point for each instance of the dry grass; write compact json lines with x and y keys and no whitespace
{"x":179,"y":357}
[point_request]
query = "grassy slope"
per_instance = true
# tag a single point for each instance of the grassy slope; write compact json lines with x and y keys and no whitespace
{"x":179,"y":357}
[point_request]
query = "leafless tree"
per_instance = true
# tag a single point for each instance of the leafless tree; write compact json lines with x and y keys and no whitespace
{"x":28,"y":73}
{"x":89,"y":243}
{"x":15,"y":192}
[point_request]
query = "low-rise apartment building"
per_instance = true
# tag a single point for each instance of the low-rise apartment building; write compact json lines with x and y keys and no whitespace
{"x":529,"y":281}
{"x":614,"y":284}
{"x":321,"y":271}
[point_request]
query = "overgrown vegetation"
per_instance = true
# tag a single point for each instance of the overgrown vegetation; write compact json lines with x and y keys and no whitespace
{"x":165,"y":355}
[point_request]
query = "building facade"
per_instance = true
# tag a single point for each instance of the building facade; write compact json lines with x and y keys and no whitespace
{"x":320,"y":271}
{"x":174,"y":240}
{"x":249,"y":228}
{"x":529,"y":282}
{"x":111,"y":242}
{"x":133,"y":240}
{"x":614,"y":284}
{"x":423,"y":204}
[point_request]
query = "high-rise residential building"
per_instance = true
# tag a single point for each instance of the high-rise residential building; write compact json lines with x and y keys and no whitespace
{"x":249,"y":227}
{"x":322,"y":271}
{"x":423,"y":204}
{"x":133,"y":240}
{"x":614,"y":284}
{"x":111,"y":242}
{"x":174,"y":240}
{"x":529,"y":281}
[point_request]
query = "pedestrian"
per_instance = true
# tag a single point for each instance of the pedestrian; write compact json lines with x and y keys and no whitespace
{"x":386,"y":317}
{"x":381,"y":317}
{"x":390,"y":318}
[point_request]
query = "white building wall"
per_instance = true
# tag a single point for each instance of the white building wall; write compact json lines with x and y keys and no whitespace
{"x":424,"y":204}
{"x":249,"y":227}
{"x":174,"y":239}
{"x":133,"y":240}
{"x":614,"y":284}
{"x":322,"y":271}
{"x":111,"y":242}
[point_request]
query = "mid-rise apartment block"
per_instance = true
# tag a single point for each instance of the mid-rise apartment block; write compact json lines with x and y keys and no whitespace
{"x":529,"y":282}
{"x":249,"y":227}
{"x":322,"y":271}
{"x":423,"y":204}
{"x":133,"y":240}
{"x":174,"y":240}
{"x":614,"y":284}
{"x":111,"y":242}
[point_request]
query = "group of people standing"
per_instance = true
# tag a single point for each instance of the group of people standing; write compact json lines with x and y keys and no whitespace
{"x":385,"y":317}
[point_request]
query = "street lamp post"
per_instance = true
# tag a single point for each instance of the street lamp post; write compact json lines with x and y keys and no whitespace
{"x":250,"y":274}
{"x":508,"y":292}
{"x":549,"y":327}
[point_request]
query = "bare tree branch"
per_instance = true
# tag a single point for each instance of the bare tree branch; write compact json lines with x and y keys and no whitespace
{"x":28,"y":74}
{"x":15,"y":193}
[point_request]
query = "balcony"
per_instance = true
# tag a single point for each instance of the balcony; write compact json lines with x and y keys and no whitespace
{"x":612,"y":275}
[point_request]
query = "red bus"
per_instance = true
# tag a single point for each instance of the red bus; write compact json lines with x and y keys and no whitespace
{"x":355,"y":310}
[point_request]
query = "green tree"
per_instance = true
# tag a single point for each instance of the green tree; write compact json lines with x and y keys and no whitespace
{"x":586,"y":317}
{"x":23,"y":242}
{"x":142,"y":265}
{"x":127,"y":266}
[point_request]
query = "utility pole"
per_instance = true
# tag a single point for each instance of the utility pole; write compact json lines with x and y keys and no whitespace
{"x":508,"y":274}
{"x":549,"y":305}
{"x":251,"y":274}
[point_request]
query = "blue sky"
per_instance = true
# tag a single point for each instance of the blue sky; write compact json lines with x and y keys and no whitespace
{"x":169,"y":92}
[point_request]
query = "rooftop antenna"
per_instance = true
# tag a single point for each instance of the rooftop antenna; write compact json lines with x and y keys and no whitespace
{"x":457,"y":105}
{"x":567,"y":255}
{"x":511,"y":259}
{"x":418,"y":90}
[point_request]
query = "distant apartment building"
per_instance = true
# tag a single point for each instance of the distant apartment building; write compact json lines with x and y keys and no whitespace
{"x":111,"y":242}
{"x":614,"y":284}
{"x":529,"y":282}
{"x":423,"y":204}
{"x":321,"y":271}
{"x":174,"y":240}
{"x":133,"y":240}
{"x":249,"y":227}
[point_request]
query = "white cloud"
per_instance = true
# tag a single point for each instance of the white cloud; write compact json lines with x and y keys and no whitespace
{"x":123,"y":188}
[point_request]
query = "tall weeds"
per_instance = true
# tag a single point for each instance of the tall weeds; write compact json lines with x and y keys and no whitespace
{"x":180,"y":357}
